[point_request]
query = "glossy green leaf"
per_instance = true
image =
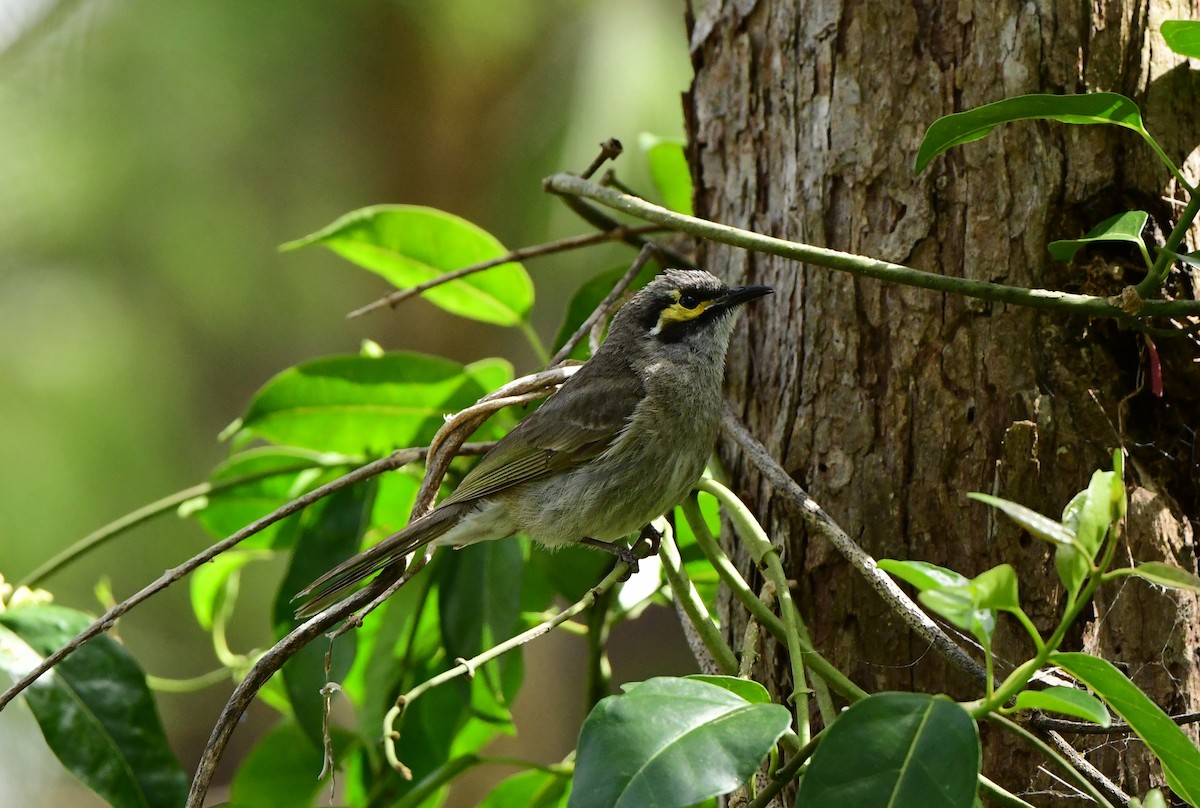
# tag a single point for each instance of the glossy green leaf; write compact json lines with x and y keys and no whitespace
{"x":398,"y":643}
{"x":354,"y":404}
{"x":282,"y":769}
{"x":479,"y":603}
{"x":571,"y":571}
{"x":274,"y":476}
{"x":530,"y":789}
{"x":974,"y":124}
{"x":748,"y":689}
{"x":1067,"y":701}
{"x":896,"y":749}
{"x":960,"y":605}
{"x":1180,"y":757}
{"x":997,"y":589}
{"x":590,"y":295}
{"x":214,"y":586}
{"x":922,"y":574}
{"x":1153,"y":799}
{"x":671,"y":742}
{"x":330,"y":532}
{"x":96,"y":712}
{"x":1166,"y":575}
{"x":409,"y":244}
{"x":1038,"y":526}
{"x":1072,"y":565}
{"x":1096,"y":511}
{"x":1183,"y":37}
{"x":1124,"y":227}
{"x":669,"y":170}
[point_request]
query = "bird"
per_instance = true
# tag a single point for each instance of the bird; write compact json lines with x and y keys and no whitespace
{"x":622,"y":441}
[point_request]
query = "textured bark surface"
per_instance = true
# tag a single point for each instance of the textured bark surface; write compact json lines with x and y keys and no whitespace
{"x":889,"y":404}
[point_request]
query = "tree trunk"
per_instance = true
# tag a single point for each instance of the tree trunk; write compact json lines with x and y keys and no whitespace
{"x":888,"y":403}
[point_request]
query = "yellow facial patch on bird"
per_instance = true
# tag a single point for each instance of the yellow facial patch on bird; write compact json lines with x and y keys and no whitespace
{"x":687,"y":306}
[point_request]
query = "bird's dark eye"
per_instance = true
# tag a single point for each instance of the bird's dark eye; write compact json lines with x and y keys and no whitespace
{"x":688,"y":301}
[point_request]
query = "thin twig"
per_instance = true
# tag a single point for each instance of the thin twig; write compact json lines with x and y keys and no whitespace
{"x":1049,"y":723}
{"x":258,"y":675}
{"x":573,"y":188}
{"x":1076,"y":776}
{"x":610,"y":149}
{"x":147,"y":512}
{"x":108,"y":619}
{"x":618,"y":233}
{"x":1089,"y":771}
{"x":391,"y":735}
{"x":822,"y":524}
{"x":606,"y":306}
{"x":759,"y":609}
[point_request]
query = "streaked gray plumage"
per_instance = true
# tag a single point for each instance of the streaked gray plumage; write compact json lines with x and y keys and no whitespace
{"x":621,"y":442}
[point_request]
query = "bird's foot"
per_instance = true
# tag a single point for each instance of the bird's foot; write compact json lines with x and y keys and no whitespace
{"x":647,"y":542}
{"x":646,"y":545}
{"x":619,"y":550}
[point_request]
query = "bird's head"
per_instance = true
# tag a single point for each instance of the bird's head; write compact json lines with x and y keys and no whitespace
{"x":691,"y":309}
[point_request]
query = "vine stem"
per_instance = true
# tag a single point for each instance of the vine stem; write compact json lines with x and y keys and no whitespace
{"x":822,"y":524}
{"x":393,"y":461}
{"x":570,"y":186}
{"x":697,"y":613}
{"x":468,"y":666}
{"x":767,"y":558}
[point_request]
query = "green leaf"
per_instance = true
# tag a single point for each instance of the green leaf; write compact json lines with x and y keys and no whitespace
{"x":669,"y":170}
{"x":896,"y":749}
{"x":1124,"y":227}
{"x":330,"y":532}
{"x":1067,"y":701}
{"x":1096,"y":512}
{"x":1183,"y":37}
{"x":748,"y":689}
{"x":922,"y":574}
{"x":214,"y":586}
{"x":1180,"y":757}
{"x":571,"y":571}
{"x":1073,"y":567}
{"x":1166,"y":575}
{"x":529,"y":789}
{"x":95,"y":711}
{"x":479,"y":601}
{"x":1153,"y":799}
{"x":356,"y":404}
{"x":283,"y":473}
{"x":590,"y":295}
{"x":997,"y":589}
{"x":281,"y":770}
{"x":1038,"y":526}
{"x":409,"y":244}
{"x":960,"y":605}
{"x":671,"y":742}
{"x":965,"y":127}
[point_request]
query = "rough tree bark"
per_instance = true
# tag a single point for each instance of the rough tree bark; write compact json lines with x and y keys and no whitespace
{"x":889,"y":404}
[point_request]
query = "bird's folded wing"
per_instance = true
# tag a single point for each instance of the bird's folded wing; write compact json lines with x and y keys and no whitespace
{"x":575,"y":424}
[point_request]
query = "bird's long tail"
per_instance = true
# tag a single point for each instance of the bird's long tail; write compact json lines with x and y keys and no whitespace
{"x":334,"y":585}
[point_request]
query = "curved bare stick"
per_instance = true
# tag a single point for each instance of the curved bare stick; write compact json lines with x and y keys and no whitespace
{"x":619,"y":233}
{"x":263,"y":669}
{"x":823,"y":524}
{"x":609,"y":302}
{"x":395,"y":460}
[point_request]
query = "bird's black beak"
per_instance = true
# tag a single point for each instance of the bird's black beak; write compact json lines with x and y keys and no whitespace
{"x":740,"y":295}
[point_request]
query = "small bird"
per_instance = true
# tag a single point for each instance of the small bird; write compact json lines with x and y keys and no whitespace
{"x":622,"y":440}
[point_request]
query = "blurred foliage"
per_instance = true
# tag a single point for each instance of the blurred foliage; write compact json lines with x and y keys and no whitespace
{"x":152,"y":158}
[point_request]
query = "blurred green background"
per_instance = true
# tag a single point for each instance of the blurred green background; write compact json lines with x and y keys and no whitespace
{"x":152,"y":158}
